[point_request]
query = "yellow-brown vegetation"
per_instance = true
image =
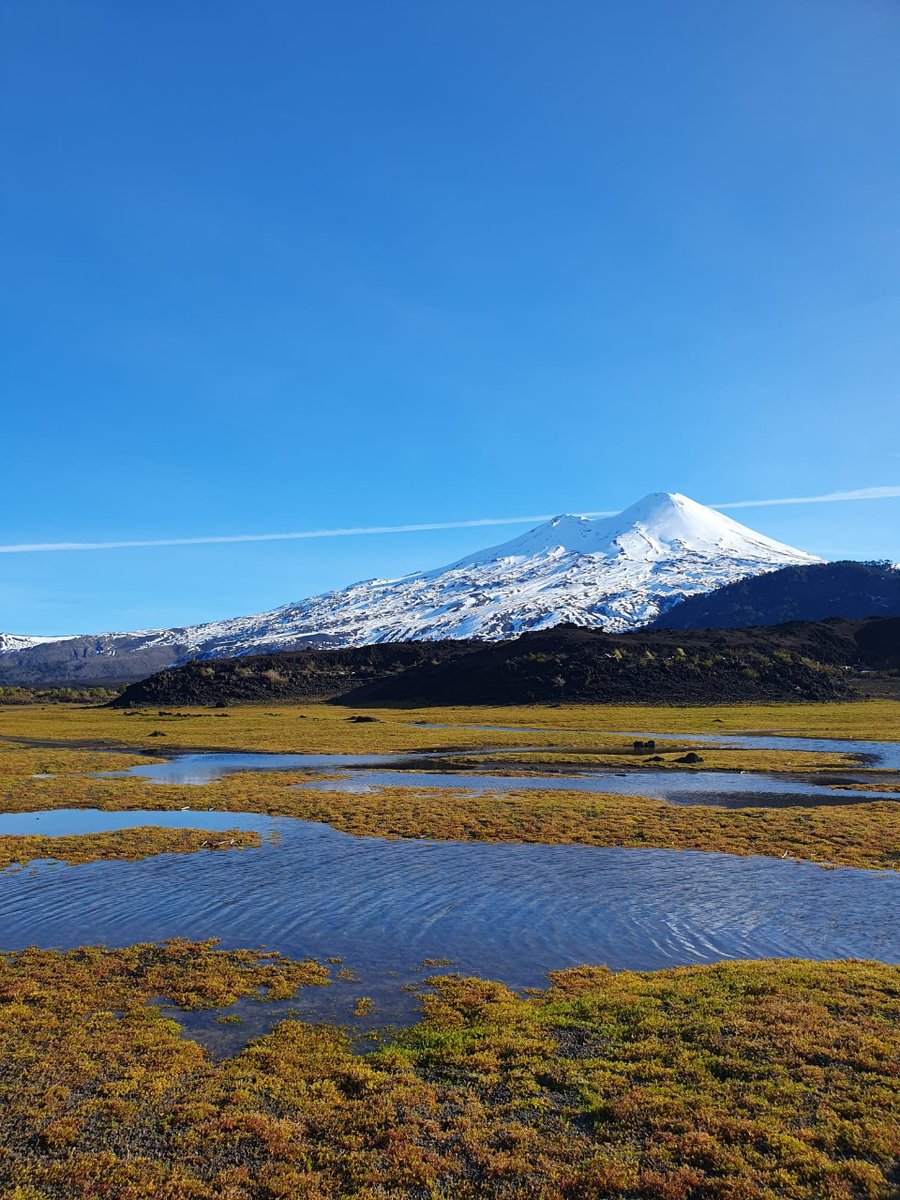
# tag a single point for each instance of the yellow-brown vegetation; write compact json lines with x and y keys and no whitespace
{"x":739,"y":1081}
{"x":865,"y":834}
{"x":328,"y":728}
{"x":123,"y":844}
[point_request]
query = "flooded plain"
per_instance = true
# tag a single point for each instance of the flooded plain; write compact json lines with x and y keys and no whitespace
{"x":422,"y":769}
{"x":503,"y":911}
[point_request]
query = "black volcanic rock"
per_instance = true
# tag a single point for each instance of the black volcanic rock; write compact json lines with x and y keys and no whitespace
{"x":567,"y":664}
{"x":288,"y":676}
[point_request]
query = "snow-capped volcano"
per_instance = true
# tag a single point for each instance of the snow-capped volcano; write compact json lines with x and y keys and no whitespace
{"x":617,"y":573}
{"x":662,"y":525}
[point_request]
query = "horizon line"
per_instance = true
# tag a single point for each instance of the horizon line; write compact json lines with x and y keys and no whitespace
{"x":872,"y":493}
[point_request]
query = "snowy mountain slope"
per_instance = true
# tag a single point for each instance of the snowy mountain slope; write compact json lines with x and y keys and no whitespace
{"x":17,"y":641}
{"x":615,"y":574}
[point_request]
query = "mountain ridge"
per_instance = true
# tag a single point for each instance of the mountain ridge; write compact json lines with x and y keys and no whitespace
{"x":615,"y":573}
{"x":812,"y":592}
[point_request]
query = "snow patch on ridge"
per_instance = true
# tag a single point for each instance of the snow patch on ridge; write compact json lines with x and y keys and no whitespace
{"x":18,"y":641}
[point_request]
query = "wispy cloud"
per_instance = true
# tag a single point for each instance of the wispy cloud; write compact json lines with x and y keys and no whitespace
{"x":872,"y":493}
{"x":355,"y":531}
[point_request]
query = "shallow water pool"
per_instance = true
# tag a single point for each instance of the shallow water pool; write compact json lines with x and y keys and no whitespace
{"x":358,"y":772}
{"x":504,"y":911}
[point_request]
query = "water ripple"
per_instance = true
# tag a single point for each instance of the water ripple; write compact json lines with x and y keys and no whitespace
{"x":507,"y":911}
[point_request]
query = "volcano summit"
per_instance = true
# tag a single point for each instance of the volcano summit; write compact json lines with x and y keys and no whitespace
{"x":614,"y":574}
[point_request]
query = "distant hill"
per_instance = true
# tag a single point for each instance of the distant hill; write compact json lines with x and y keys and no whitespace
{"x":797,"y":661}
{"x":286,"y":676}
{"x":852,"y":590}
{"x":568,"y":664}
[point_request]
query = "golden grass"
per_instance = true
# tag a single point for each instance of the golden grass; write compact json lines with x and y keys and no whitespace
{"x":872,"y":720}
{"x":125,"y":844}
{"x":739,"y":1081}
{"x":326,"y":728}
{"x":866,"y":834}
{"x":25,"y":761}
{"x":856,"y":835}
{"x":862,"y":835}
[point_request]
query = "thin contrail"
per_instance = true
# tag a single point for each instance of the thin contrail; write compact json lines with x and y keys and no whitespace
{"x":873,"y":493}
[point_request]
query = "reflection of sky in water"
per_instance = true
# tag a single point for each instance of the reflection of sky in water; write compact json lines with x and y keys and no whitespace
{"x":728,"y":788}
{"x":721,"y":788}
{"x":505,"y":911}
{"x":62,"y":821}
{"x":204,"y":768}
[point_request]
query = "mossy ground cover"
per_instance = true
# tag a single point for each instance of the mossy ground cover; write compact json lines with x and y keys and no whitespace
{"x":854,"y":835}
{"x":24,"y":761}
{"x":858,"y":835}
{"x":19,"y":764}
{"x":122,"y":844}
{"x":739,"y":1081}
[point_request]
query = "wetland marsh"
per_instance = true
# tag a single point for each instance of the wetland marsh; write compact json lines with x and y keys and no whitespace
{"x":474,"y":845}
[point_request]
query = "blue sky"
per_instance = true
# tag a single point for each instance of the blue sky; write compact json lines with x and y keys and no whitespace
{"x":305,"y":265}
